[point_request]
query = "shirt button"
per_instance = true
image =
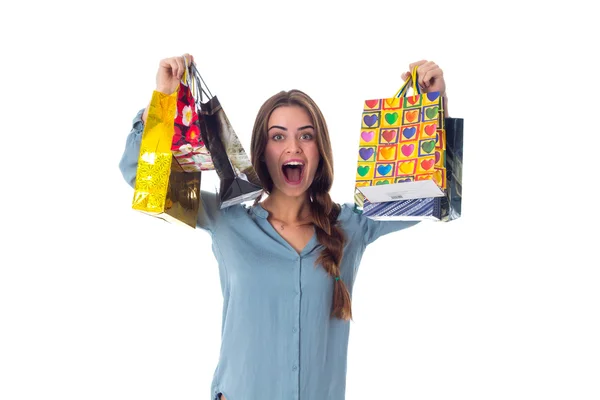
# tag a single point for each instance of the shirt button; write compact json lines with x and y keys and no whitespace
{"x":295,"y":330}
{"x":294,"y":368}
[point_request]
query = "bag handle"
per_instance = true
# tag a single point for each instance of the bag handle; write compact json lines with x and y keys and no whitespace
{"x":194,"y":81}
{"x":199,"y":82}
{"x":411,"y":79}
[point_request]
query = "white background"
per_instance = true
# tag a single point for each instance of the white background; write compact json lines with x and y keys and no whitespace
{"x":100,"y":302}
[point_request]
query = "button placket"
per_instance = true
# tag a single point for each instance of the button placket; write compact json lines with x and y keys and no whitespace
{"x":296,"y":324}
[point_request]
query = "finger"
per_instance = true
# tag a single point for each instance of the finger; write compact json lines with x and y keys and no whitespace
{"x":166,"y":65}
{"x":169,"y":65}
{"x":405,"y":75}
{"x":180,"y":67}
{"x":411,"y":66}
{"x":425,"y":73}
{"x":431,"y":75}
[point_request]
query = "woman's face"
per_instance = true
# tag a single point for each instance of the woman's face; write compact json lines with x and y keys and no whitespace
{"x":291,"y":154}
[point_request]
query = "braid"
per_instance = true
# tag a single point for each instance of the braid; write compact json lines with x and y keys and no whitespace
{"x":258,"y":198}
{"x":330,"y":235}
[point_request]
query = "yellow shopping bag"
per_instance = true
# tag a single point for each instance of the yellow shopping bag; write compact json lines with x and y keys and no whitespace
{"x":162,"y":188}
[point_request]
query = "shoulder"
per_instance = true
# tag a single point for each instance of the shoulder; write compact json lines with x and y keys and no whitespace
{"x":351,"y":220}
{"x":212,"y":217}
{"x":349,"y":214}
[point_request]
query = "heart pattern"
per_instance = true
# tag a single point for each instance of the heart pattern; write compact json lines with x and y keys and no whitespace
{"x":387,"y":153}
{"x":370,"y":120}
{"x":438,"y":177}
{"x":427,"y":164}
{"x":431,"y":112}
{"x":363,"y":170}
{"x":391,"y":118}
{"x":411,"y":116}
{"x":428,"y":146}
{"x":384,"y":169}
{"x":412,"y":99}
{"x":430,"y":129}
{"x":367,"y":136}
{"x":408,"y":149}
{"x":371,"y":103}
{"x":393,"y":102}
{"x":400,"y":141}
{"x":409,"y":132}
{"x":432,"y":96}
{"x":389,"y":136}
{"x":407,"y":167}
{"x":366,"y":153}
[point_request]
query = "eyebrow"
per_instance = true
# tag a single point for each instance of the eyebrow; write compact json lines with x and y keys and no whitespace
{"x":285,"y":129}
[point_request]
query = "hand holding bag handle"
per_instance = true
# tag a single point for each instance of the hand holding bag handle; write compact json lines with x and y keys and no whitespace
{"x":406,"y":85}
{"x":411,"y":81}
{"x":417,"y":90}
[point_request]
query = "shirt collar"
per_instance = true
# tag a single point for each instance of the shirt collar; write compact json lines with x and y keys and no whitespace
{"x":345,"y":212}
{"x":259,"y":211}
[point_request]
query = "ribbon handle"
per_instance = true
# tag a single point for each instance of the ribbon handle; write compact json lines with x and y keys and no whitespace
{"x":194,"y":81}
{"x":407,"y":84}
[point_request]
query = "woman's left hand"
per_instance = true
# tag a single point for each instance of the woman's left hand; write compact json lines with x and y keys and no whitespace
{"x":430,"y":76}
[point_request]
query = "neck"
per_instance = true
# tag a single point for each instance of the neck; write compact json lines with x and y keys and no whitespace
{"x":286,"y":208}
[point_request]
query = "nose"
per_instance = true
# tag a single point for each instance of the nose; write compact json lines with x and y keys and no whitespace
{"x":294,"y":147}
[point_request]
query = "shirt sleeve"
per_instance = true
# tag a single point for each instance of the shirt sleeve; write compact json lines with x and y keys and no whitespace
{"x":209,"y":210}
{"x":376,"y":229}
{"x":370,"y":230}
{"x":129,"y":159}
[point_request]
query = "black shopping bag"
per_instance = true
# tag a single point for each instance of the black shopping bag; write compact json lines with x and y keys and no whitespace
{"x":238,"y":179}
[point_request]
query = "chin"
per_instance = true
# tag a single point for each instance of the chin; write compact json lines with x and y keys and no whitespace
{"x":293,"y":190}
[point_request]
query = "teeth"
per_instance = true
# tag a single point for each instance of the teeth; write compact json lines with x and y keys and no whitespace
{"x":293,"y":163}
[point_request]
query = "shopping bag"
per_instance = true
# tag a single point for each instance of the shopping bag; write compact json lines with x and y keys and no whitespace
{"x":454,"y":165}
{"x":238,"y":179}
{"x":402,"y":146}
{"x":188,"y":146}
{"x":162,"y":188}
{"x":445,"y":208}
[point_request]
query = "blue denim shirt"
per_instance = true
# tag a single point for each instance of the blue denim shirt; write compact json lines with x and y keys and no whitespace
{"x":278,"y":340}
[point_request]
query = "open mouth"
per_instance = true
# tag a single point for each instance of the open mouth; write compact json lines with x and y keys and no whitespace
{"x":293,"y":171}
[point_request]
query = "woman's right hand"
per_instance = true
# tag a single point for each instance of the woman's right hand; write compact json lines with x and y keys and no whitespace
{"x":170,"y":71}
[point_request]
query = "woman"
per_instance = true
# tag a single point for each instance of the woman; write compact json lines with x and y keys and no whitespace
{"x":287,"y":264}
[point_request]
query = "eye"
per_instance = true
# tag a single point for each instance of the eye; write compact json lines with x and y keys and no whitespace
{"x":307,"y":136}
{"x":277,"y":137}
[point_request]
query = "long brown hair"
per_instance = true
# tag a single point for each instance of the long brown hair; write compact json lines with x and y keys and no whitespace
{"x":325,"y":212}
